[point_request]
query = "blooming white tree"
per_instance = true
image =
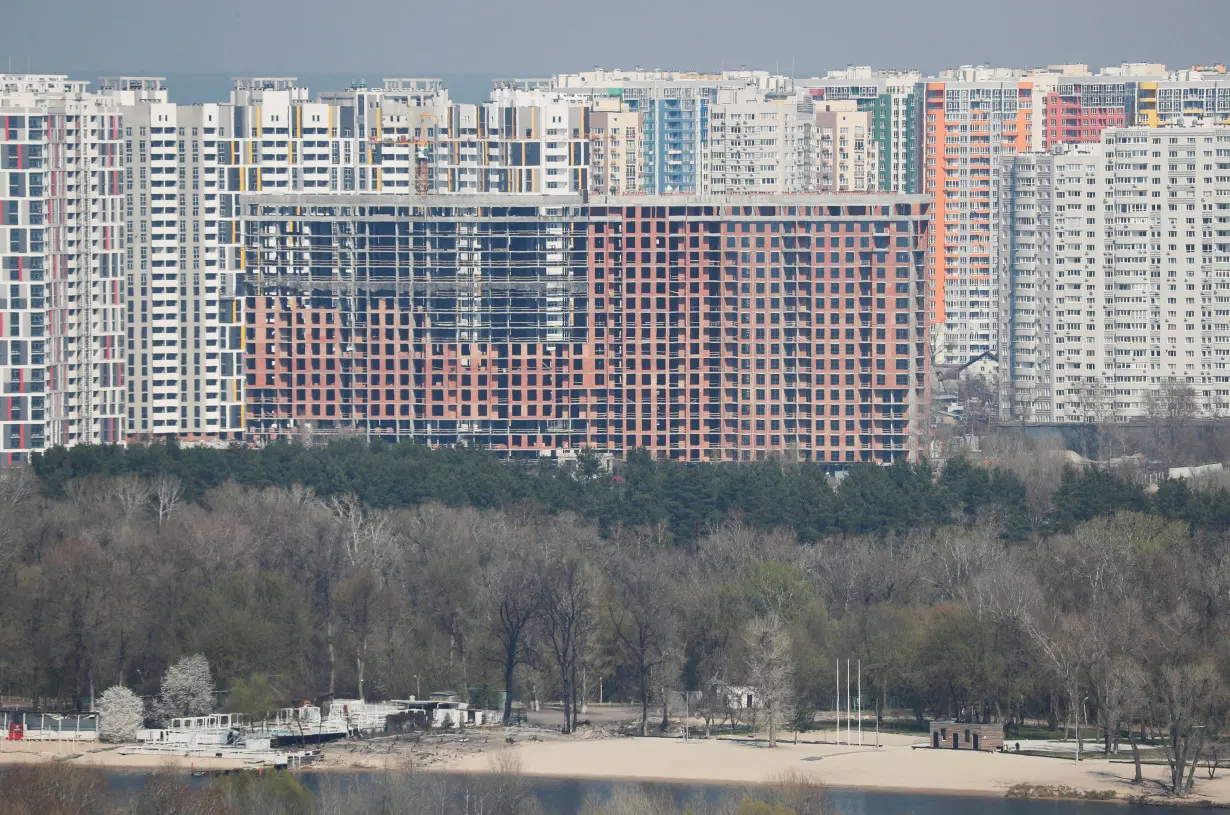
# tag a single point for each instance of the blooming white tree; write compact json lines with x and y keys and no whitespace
{"x":187,"y":689}
{"x":120,"y":714}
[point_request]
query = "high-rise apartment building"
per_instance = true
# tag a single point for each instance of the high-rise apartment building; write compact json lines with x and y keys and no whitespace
{"x":891,"y":98}
{"x":1062,"y":104}
{"x":189,"y":164}
{"x":1055,"y":305}
{"x":968,"y":124}
{"x":846,"y":156}
{"x":757,"y":144}
{"x":62,"y":347}
{"x":185,"y":166}
{"x":617,"y":159}
{"x":721,"y":329}
{"x":1116,"y":266}
{"x":675,"y":108}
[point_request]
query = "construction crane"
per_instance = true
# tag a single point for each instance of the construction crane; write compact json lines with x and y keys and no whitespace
{"x":422,"y":153}
{"x":422,"y":170}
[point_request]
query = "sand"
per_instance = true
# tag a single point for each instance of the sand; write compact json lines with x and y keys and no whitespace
{"x":896,"y":766}
{"x":94,"y":754}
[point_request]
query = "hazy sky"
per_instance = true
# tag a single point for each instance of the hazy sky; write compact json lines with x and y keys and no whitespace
{"x":525,"y":37}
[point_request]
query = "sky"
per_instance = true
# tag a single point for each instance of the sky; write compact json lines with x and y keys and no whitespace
{"x":376,"y":38}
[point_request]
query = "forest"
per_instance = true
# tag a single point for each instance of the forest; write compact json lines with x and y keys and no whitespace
{"x":1021,"y":593}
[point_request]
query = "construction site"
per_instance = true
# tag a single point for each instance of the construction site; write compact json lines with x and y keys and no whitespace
{"x":706,"y":329}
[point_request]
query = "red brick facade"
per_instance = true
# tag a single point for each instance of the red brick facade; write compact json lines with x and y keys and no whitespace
{"x":715,"y":332}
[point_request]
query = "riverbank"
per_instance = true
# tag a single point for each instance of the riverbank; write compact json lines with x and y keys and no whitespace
{"x":895,"y":766}
{"x":106,"y":756}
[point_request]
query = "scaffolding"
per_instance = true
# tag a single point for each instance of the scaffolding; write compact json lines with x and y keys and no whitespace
{"x":550,"y":298}
{"x":451,"y":279}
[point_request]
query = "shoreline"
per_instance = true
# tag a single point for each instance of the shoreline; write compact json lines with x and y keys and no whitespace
{"x":1158,"y":801}
{"x":894,"y":768}
{"x":722,"y":763}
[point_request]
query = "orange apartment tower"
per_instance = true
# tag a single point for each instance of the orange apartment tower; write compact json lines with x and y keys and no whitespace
{"x":966,"y":128}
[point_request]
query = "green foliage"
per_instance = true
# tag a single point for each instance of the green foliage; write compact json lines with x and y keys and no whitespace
{"x":272,"y":793}
{"x":1092,"y":491}
{"x":802,"y":717}
{"x":750,"y":807}
{"x":959,"y":657}
{"x":253,"y":696}
{"x":686,"y":500}
{"x":253,"y":623}
{"x":775,"y":588}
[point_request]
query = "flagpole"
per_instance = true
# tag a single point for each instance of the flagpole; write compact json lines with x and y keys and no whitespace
{"x":837,"y":703}
{"x":849,"y":728}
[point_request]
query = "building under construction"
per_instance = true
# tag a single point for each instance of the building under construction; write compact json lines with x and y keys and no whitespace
{"x":702,"y":329}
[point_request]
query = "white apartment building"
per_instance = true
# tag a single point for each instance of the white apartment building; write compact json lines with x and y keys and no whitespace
{"x":1055,"y":304}
{"x":61,"y":237}
{"x":408,"y":137}
{"x":184,"y":365}
{"x":677,"y":110}
{"x":188,"y":165}
{"x":1117,"y":275}
{"x":847,"y":158}
{"x":757,"y":144}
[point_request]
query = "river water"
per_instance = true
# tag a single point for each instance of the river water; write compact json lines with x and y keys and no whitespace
{"x":564,"y":796}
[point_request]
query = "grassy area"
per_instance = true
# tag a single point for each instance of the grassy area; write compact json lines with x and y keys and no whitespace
{"x":1042,"y":791}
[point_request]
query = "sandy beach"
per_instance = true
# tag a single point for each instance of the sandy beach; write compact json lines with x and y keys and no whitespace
{"x":895,"y":766}
{"x":106,"y":756}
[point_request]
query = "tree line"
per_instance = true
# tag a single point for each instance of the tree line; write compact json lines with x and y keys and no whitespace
{"x":1085,"y":601}
{"x":685,"y":500}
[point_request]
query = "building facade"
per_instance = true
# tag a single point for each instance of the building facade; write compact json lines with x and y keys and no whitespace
{"x":757,"y":144}
{"x":1056,"y":314}
{"x":675,"y":108}
{"x":61,"y":236}
{"x":722,"y":329}
{"x":891,"y":98}
{"x":1132,"y":278}
{"x":968,"y":125}
{"x":847,"y":157}
{"x":617,"y":159}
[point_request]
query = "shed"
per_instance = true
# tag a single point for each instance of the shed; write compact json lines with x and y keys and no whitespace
{"x":954,"y":735}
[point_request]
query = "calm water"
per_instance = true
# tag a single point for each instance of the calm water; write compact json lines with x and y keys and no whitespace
{"x":565,"y":796}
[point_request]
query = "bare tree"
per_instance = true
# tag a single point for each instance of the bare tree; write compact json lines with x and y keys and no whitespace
{"x":168,"y":491}
{"x":370,"y":535}
{"x":17,"y":486}
{"x":1171,"y":407}
{"x":640,"y":609}
{"x":132,"y":493}
{"x":514,"y":600}
{"x":357,"y":601}
{"x":1058,"y":637}
{"x":770,"y":669}
{"x":570,"y":588}
{"x":1183,"y":696}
